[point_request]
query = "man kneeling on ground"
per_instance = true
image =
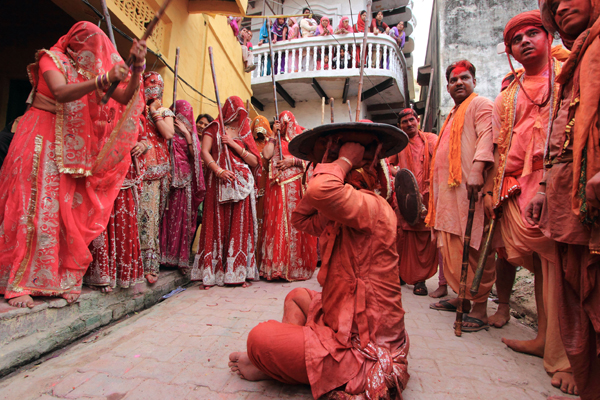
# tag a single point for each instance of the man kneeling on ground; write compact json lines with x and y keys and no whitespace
{"x":350,"y":338}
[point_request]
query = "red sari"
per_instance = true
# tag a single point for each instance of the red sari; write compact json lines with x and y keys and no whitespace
{"x":286,"y":252}
{"x":229,"y":227}
{"x":63,"y":172}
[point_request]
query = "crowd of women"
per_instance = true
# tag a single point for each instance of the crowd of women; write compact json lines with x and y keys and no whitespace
{"x":106,"y":194}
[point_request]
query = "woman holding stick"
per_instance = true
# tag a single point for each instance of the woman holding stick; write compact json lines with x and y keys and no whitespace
{"x":229,"y":227}
{"x":66,"y":164}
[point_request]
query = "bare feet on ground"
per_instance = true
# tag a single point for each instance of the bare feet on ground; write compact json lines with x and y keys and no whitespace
{"x":103,"y":289}
{"x":501,"y":317}
{"x":241,"y":365}
{"x":151,"y":278}
{"x":565,"y":382}
{"x":70,"y":297}
{"x":204,"y":287}
{"x":441,"y":291}
{"x":21,"y":301}
{"x":246,"y":284}
{"x":533,"y":347}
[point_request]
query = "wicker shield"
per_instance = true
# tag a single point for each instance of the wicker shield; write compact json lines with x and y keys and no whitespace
{"x":408,"y":196}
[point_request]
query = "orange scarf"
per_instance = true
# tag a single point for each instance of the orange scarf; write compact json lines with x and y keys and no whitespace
{"x":454,"y":154}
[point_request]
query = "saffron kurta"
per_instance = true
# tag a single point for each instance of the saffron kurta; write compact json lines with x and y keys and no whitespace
{"x":452,"y":203}
{"x":361,"y":302}
{"x":417,"y":251}
{"x":523,"y":160}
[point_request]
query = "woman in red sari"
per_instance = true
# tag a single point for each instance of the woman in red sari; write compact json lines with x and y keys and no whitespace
{"x":117,"y":251}
{"x":229,"y":228}
{"x":66,"y":164}
{"x":187,"y":191}
{"x":286,"y":253}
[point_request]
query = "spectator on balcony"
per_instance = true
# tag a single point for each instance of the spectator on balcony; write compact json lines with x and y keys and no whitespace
{"x":344,"y":27}
{"x":378,"y":26}
{"x":234,"y":23}
{"x":308,"y":25}
{"x":294,"y":29}
{"x":344,"y":63}
{"x":325,"y":62}
{"x":263,"y":35}
{"x":324,"y":28}
{"x":279,"y":33}
{"x":360,"y":24}
{"x":398,"y":34}
{"x":244,"y":39}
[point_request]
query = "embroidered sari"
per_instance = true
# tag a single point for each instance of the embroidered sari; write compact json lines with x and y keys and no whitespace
{"x":229,"y":227}
{"x":286,"y":252}
{"x":187,"y":192}
{"x":63,"y":172}
{"x":261,"y":131}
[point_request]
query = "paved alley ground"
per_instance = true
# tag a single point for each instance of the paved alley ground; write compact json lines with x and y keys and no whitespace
{"x":179,"y":349}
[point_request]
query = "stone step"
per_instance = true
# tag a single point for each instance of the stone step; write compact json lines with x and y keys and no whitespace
{"x":28,"y":334}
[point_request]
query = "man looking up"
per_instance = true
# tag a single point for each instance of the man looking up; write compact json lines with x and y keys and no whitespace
{"x":566,"y":207}
{"x":418,"y":253}
{"x":464,"y":152}
{"x":520,"y":122}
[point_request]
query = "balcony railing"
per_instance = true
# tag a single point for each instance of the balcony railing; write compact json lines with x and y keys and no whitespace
{"x":306,"y":58}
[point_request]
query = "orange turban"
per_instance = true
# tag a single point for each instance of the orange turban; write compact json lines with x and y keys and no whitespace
{"x":527,"y":18}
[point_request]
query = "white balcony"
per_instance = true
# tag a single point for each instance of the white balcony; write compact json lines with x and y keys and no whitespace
{"x":301,"y":66}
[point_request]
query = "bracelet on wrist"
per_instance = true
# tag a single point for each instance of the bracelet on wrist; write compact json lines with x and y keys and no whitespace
{"x":346,"y":160}
{"x":208,"y":165}
{"x":97,"y":82}
{"x":542,"y":193}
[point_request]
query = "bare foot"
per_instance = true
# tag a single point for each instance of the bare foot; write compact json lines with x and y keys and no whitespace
{"x":70,"y":297}
{"x":246,"y":284}
{"x":204,"y":287}
{"x":533,"y":347}
{"x":241,"y":364}
{"x":151,"y":278}
{"x":21,"y":301}
{"x":501,"y":317}
{"x":106,"y":289}
{"x":441,"y":291}
{"x":565,"y":382}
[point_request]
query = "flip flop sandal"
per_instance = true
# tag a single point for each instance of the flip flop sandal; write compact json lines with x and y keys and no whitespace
{"x":480,"y":324}
{"x":420,"y":289}
{"x":445,"y":305}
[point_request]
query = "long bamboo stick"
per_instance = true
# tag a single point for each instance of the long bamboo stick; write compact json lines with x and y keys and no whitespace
{"x":363,"y":58}
{"x":465,"y":266}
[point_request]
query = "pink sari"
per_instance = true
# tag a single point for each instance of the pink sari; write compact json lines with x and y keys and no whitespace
{"x":187,"y":192}
{"x":63,"y":173}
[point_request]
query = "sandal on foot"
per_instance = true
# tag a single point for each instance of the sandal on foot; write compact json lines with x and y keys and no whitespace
{"x":420,"y":289}
{"x":445,"y":305}
{"x":480,"y":324}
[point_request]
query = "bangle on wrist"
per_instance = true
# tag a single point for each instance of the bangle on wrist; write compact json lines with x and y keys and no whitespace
{"x":542,"y":193}
{"x":97,"y":82}
{"x":208,"y":165}
{"x":346,"y":160}
{"x":108,"y":82}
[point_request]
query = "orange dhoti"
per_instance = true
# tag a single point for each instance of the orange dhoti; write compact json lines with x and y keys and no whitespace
{"x":521,"y":242}
{"x":451,"y":247}
{"x":418,"y":255}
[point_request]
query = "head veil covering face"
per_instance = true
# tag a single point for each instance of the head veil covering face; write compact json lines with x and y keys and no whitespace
{"x":91,"y":138}
{"x":261,"y":125}
{"x":154,"y":86}
{"x":182,"y":172}
{"x":289,"y":125}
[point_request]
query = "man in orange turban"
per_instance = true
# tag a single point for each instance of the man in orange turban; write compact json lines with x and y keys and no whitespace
{"x":520,"y":123}
{"x":568,"y":199}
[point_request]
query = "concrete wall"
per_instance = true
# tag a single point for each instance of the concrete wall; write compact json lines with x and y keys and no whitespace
{"x":471,"y":29}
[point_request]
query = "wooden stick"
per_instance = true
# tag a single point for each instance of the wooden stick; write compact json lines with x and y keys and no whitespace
{"x":131,"y":60}
{"x":111,"y":35}
{"x":349,"y":110}
{"x":465,"y":266}
{"x":274,"y":84}
{"x":332,"y":116}
{"x":248,"y":106}
{"x":175,"y":80}
{"x":363,"y":58}
{"x":322,"y":110}
{"x":214,"y":76}
{"x":483,"y":255}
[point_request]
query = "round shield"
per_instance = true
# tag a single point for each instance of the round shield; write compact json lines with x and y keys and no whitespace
{"x":408,"y":196}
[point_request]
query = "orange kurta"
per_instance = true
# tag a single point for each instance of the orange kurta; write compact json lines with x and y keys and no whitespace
{"x":361,"y":296}
{"x":416,"y":249}
{"x":452,"y":203}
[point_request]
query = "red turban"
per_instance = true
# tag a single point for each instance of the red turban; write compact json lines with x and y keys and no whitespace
{"x":527,"y":18}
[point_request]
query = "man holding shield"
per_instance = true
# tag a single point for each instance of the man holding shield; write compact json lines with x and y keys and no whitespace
{"x":350,"y":338}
